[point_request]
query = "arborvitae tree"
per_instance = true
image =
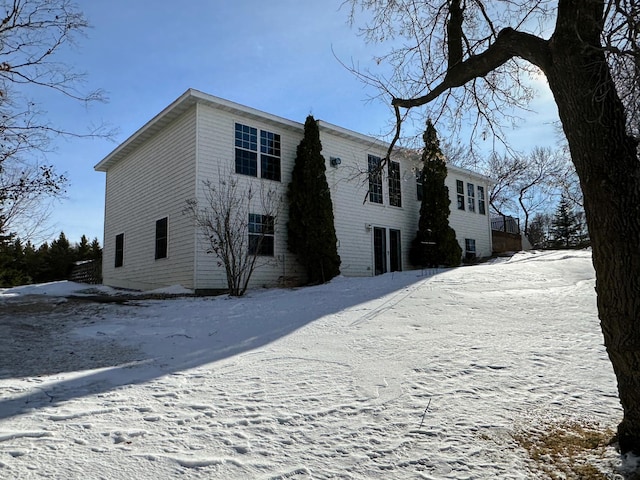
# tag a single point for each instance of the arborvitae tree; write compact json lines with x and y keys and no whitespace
{"x":311,"y":231}
{"x":565,"y":226}
{"x":435,"y":243}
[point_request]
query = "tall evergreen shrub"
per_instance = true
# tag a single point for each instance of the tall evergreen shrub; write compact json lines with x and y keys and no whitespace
{"x":311,"y":231}
{"x":435,"y":243}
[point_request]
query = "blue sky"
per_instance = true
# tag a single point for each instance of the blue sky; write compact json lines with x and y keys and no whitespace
{"x":277,"y":56}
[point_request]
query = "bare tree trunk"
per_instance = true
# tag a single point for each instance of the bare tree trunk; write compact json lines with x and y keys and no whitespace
{"x":606,"y":160}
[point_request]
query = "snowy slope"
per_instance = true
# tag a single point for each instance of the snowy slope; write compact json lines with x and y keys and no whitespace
{"x":408,"y":375}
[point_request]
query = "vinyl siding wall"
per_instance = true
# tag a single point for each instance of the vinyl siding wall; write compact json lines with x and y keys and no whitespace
{"x":151,"y":184}
{"x":156,"y":179}
{"x":354,"y":215}
{"x":469,"y":224}
{"x":216,"y":156}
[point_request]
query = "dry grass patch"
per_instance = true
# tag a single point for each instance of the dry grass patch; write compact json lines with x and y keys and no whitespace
{"x":567,"y":450}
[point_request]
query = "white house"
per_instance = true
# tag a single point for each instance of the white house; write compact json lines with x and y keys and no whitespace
{"x":149,"y":242}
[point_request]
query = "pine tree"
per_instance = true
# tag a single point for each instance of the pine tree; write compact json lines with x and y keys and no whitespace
{"x":83,"y":249}
{"x":565,"y":226}
{"x":435,"y":243}
{"x":60,"y":258}
{"x":311,"y":231}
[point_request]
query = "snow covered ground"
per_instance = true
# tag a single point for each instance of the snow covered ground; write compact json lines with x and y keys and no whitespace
{"x":420,"y":374}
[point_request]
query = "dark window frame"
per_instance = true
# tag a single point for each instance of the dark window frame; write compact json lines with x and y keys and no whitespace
{"x":395,"y":184}
{"x":251,"y":142}
{"x":375,"y":179}
{"x":119,"y":251}
{"x":246,"y":145}
{"x":471,"y":197}
{"x":261,"y":233}
{"x":270,"y":155}
{"x":460,"y":194}
{"x":470,"y":251}
{"x":419,"y":184}
{"x":162,"y":238}
{"x":482,"y":205}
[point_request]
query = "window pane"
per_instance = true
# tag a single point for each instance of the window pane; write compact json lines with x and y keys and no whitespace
{"x":161,"y":238}
{"x":375,"y":179}
{"x":395,"y":194}
{"x":270,"y":167}
{"x":119,"y":250}
{"x":270,"y":143}
{"x":246,"y":162}
{"x":246,"y":150}
{"x":482,"y":210}
{"x":419,"y":184}
{"x":246,"y":137}
{"x":270,"y":155}
{"x":471,"y":197}
{"x":261,"y":234}
{"x":460,"y":194}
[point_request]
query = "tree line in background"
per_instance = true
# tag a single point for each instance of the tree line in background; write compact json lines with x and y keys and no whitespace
{"x":24,"y":263}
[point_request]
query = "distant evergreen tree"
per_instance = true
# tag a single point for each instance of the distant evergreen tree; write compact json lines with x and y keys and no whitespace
{"x":311,"y":231}
{"x":435,"y":243}
{"x":538,"y":230}
{"x":565,"y":226}
{"x":12,"y":267}
{"x":95,"y":252}
{"x":61,"y":258}
{"x":82,"y":249}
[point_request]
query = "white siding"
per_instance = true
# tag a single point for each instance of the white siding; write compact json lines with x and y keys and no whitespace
{"x":216,"y":156}
{"x":152,"y":175}
{"x":469,"y":224}
{"x":153,"y":182}
{"x":355,"y":217}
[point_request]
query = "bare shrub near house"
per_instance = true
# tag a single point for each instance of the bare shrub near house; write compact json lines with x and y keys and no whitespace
{"x":238,"y":222}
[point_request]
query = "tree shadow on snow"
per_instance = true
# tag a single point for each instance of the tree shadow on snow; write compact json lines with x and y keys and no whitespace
{"x":110,"y":345}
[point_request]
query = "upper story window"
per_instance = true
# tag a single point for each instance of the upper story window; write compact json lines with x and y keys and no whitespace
{"x":246,"y":144}
{"x":395,"y":193}
{"x":270,"y":155}
{"x":246,"y":150}
{"x":375,"y":179}
{"x":460,"y":194}
{"x":162,"y":237}
{"x":471,"y":197}
{"x":261,"y":234}
{"x":419,"y":184}
{"x":119,"y":257}
{"x":482,"y":209}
